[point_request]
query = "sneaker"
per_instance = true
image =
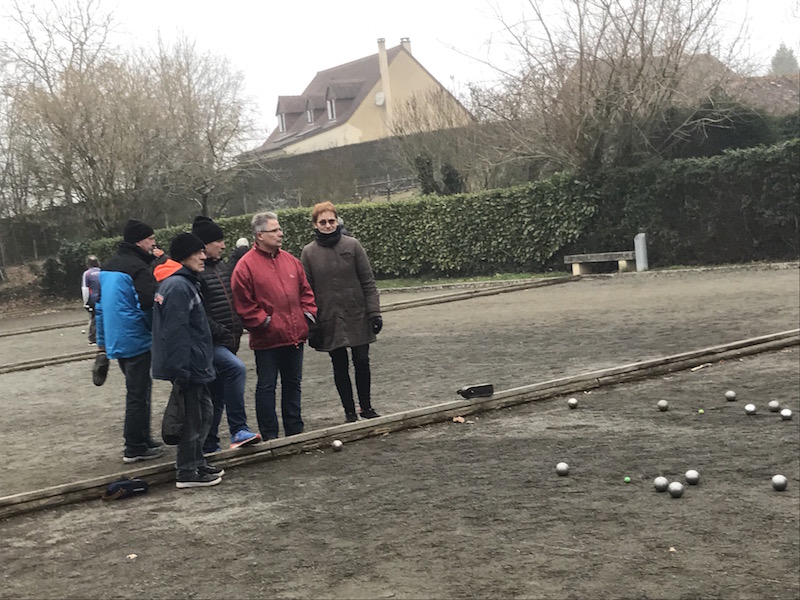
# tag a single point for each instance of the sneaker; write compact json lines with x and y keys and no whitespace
{"x":211,"y":451}
{"x":197,"y":480}
{"x":369,"y":413}
{"x":350,"y":417}
{"x":149,"y":454}
{"x":243,"y":438}
{"x":211,"y":470}
{"x":151,"y":443}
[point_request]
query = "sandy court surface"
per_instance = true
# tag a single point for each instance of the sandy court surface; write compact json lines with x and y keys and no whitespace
{"x":471,"y":510}
{"x":421,"y":358}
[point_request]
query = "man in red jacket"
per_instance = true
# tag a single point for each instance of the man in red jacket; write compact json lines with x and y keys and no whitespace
{"x":275,"y":303}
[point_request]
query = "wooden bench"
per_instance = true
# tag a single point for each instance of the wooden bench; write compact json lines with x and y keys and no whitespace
{"x":581,"y":263}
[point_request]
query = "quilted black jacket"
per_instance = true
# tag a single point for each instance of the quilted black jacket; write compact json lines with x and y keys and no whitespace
{"x":226,"y":328}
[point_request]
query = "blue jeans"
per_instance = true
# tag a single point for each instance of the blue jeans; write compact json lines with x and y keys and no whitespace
{"x":288,"y":361}
{"x":227,"y":392}
{"x":138,"y":384}
{"x":197,"y":420}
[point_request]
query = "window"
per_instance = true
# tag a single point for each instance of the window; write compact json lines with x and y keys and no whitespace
{"x":310,"y":115}
{"x":282,"y":123}
{"x":331,"y":109}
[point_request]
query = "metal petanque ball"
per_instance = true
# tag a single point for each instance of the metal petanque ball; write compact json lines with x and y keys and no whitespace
{"x":730,"y":395}
{"x":675,"y":489}
{"x":661,"y":484}
{"x":692,"y":477}
{"x":337,"y":445}
{"x":786,"y":414}
{"x":779,"y":483}
{"x":750,"y":409}
{"x":562,"y":468}
{"x":663,"y":405}
{"x":774,"y":406}
{"x":572,"y":403}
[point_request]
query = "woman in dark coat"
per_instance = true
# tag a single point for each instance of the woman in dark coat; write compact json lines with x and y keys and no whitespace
{"x":349,"y":316}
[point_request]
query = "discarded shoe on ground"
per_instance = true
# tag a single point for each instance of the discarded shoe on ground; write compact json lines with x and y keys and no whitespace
{"x":125,"y":488}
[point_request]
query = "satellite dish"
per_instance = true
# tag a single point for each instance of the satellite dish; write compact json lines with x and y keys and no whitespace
{"x":380,"y":98}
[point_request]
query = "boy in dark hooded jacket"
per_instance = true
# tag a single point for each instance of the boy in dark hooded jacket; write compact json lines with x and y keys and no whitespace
{"x":183,"y":354}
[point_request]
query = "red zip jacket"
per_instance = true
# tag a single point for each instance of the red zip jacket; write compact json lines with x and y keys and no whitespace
{"x":276,"y":287}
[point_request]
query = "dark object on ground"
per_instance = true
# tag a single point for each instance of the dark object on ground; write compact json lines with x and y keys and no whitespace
{"x":482,"y":390}
{"x":125,"y":488}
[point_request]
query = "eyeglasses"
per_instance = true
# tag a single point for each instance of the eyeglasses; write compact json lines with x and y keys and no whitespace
{"x":270,"y":230}
{"x":327,"y":222}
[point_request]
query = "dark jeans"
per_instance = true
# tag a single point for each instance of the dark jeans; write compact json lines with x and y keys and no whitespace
{"x":92,"y":327}
{"x":341,"y":377}
{"x":199,"y":412}
{"x":227,"y":392}
{"x":137,"y":401}
{"x":288,"y":361}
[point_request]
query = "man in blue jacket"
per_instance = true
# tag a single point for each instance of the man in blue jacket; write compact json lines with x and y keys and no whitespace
{"x":183,"y":353}
{"x":123,"y":315}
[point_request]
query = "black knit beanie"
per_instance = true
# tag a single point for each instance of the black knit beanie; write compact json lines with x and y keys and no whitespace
{"x":207,"y":230}
{"x":136,"y":230}
{"x":184,"y":245}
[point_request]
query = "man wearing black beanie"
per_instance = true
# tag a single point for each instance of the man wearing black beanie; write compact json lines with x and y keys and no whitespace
{"x":227,"y":390}
{"x":123,"y":316}
{"x":183,"y":354}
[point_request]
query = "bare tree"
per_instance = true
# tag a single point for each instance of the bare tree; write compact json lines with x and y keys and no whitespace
{"x":206,"y":122}
{"x":116,"y":134}
{"x":595,"y":78}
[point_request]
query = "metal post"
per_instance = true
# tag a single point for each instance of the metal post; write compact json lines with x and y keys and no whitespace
{"x":640,"y":249}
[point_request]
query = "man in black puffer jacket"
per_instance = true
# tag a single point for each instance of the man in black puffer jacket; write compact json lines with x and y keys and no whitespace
{"x":227,"y":390}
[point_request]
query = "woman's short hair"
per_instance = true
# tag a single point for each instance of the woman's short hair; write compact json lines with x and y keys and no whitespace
{"x":320,"y":208}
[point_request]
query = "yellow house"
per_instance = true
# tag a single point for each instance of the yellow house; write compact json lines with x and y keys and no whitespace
{"x":378,"y":96}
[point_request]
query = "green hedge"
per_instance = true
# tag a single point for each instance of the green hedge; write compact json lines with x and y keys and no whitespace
{"x":514,"y":229}
{"x":739,"y":206}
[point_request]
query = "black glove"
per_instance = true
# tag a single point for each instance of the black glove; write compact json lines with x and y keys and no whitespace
{"x":315,"y":337}
{"x":377,"y":324}
{"x":100,"y":369}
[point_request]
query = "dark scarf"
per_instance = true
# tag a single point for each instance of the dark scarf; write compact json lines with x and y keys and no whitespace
{"x":328,"y":239}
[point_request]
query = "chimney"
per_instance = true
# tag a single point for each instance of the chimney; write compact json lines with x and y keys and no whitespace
{"x":383,"y":65}
{"x":406,"y":44}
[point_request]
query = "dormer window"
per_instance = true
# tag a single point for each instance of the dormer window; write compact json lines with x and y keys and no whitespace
{"x":331,"y":104}
{"x":310,"y":115}
{"x":282,"y":122}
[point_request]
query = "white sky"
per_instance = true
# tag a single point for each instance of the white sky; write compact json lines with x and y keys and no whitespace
{"x":280,"y":45}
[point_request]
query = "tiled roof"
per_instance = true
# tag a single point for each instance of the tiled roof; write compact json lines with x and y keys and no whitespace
{"x":776,"y":95}
{"x":348,"y":84}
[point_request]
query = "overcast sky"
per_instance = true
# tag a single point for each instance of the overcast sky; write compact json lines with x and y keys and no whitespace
{"x":281,"y":45}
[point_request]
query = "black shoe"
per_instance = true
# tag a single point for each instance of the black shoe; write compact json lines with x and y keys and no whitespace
{"x":197,"y":480}
{"x":149,"y":454}
{"x":369,"y":413}
{"x":350,"y":417}
{"x":211,"y":470}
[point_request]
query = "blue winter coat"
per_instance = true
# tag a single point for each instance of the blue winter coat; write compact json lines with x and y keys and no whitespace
{"x":124,"y":312}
